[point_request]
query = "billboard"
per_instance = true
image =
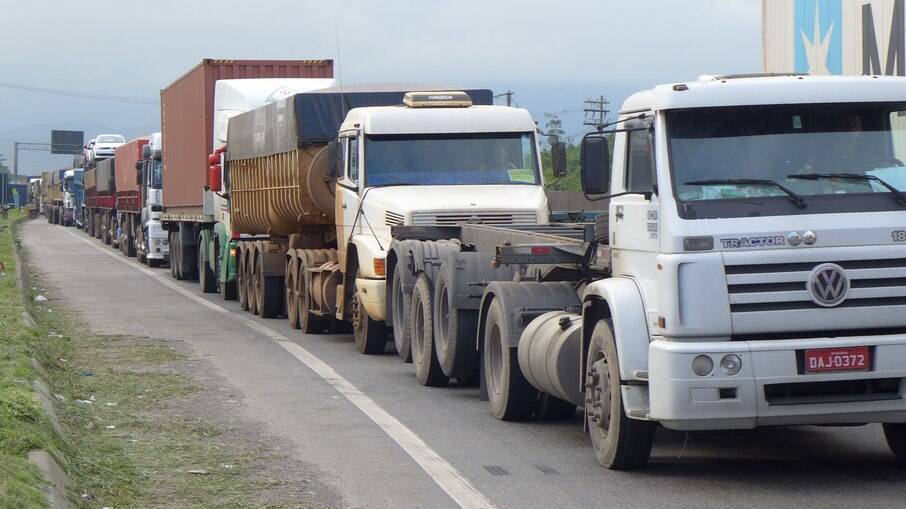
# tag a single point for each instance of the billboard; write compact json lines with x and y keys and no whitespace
{"x":834,"y":36}
{"x":66,"y":142}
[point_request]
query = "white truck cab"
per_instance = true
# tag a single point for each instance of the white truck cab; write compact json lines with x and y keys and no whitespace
{"x":437,"y":160}
{"x":153,"y":245}
{"x":757,"y":236}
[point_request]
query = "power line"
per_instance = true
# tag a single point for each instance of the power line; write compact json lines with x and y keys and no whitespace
{"x":83,"y":95}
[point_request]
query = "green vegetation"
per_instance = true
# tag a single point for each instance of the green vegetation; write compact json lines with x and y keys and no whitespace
{"x":571,"y":181}
{"x":23,"y":426}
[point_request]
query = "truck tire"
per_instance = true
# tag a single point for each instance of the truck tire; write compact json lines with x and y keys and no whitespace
{"x":401,"y":304}
{"x":173,"y":255}
{"x":454,"y":334}
{"x":424,"y":355}
{"x":301,"y":301}
{"x":511,"y":397}
{"x":270,"y":292}
{"x":206,"y":279}
{"x":242,"y":281}
{"x":251,"y":271}
{"x":370,"y":335}
{"x":620,"y":443}
{"x":292,"y":293}
{"x":895,"y":433}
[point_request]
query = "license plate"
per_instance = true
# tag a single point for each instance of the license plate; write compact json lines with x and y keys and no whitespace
{"x":853,"y":358}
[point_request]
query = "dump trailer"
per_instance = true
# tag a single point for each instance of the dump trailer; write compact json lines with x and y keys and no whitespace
{"x":129,"y":197}
{"x":194,"y":110}
{"x":312,"y":218}
{"x":704,"y":300}
{"x":151,"y":243}
{"x":100,"y":200}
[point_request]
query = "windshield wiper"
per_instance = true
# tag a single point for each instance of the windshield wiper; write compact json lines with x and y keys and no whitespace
{"x":751,"y":182}
{"x":900,"y":195}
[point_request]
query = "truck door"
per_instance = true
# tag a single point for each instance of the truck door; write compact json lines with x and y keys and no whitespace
{"x":634,"y":218}
{"x":347,"y":193}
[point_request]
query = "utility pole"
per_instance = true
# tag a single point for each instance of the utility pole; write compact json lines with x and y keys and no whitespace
{"x":509,"y":97}
{"x":596,"y":112}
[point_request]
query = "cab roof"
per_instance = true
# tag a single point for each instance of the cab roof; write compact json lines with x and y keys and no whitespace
{"x":717,"y":91}
{"x":405,"y":120}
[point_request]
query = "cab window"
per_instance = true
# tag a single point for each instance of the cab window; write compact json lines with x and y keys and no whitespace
{"x":639,"y":176}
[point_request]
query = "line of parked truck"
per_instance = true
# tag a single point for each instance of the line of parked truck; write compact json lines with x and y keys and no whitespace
{"x":741,"y":277}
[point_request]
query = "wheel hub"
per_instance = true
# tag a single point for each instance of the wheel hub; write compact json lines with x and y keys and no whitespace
{"x":597,"y":398}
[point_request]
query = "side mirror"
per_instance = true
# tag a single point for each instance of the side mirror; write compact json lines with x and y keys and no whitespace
{"x":595,"y":164}
{"x":558,"y":159}
{"x":146,"y":151}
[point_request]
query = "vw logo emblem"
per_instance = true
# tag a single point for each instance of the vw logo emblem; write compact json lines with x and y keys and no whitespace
{"x":828,"y":285}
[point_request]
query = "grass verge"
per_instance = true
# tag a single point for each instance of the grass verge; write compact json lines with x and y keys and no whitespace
{"x":141,"y":427}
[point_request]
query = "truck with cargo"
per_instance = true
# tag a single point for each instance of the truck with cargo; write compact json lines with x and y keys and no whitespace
{"x":129,"y":194}
{"x":52,"y":195}
{"x":100,"y":201}
{"x":34,"y":197}
{"x":73,"y":197}
{"x":314,"y":188}
{"x":151,"y":244}
{"x":194,"y":110}
{"x":749,"y":272}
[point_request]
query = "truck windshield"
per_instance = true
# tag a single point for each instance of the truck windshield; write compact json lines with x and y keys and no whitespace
{"x":157,"y":174}
{"x":451,"y":159}
{"x":714,"y":151}
{"x":110,"y":139}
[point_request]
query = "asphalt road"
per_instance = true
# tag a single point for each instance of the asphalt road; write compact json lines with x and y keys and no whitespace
{"x":510,"y":465}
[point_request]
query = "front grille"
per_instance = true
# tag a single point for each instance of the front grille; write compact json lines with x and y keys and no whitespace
{"x":782,"y":286}
{"x":393,"y":219}
{"x":838,"y":391}
{"x":460,"y":217}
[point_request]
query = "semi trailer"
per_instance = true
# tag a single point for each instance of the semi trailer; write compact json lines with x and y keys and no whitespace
{"x":194,"y":111}
{"x":314,"y":188}
{"x":100,"y":201}
{"x":749,"y":271}
{"x":151,"y":243}
{"x":129,"y":194}
{"x":52,"y":195}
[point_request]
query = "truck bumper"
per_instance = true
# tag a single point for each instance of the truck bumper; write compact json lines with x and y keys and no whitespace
{"x":371,"y":294}
{"x":772,"y":387}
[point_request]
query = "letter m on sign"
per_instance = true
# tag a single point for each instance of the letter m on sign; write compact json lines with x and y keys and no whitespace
{"x":896,"y":46}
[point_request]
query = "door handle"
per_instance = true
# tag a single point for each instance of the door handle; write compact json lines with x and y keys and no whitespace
{"x":343,"y":205}
{"x":619,"y":213}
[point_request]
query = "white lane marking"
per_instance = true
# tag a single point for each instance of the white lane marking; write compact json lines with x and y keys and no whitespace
{"x":440,"y":470}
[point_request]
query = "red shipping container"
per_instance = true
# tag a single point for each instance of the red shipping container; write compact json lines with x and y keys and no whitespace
{"x":127,"y":188}
{"x":187,"y":120}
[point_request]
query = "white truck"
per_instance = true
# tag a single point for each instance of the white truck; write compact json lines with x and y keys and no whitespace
{"x":313,"y":192}
{"x":751,"y":271}
{"x":151,"y":243}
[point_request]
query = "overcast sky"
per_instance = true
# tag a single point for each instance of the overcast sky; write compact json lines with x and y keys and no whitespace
{"x":552,"y":54}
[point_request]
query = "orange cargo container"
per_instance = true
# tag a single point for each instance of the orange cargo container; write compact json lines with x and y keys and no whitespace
{"x":187,"y":121}
{"x":127,"y":188}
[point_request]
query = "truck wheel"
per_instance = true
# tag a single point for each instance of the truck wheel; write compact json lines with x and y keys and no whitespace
{"x":206,"y":279}
{"x":401,"y":304}
{"x":424,"y":355}
{"x":370,"y":335}
{"x":454,"y":334}
{"x":309,"y":323}
{"x":511,"y":397}
{"x":130,"y":246}
{"x":252,"y":274}
{"x":895,"y":433}
{"x":270,"y":293}
{"x":242,"y":281}
{"x":620,"y":443}
{"x":292,"y":293}
{"x":173,"y":256}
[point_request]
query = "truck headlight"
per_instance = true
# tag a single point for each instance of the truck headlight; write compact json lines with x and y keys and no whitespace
{"x":702,"y":365}
{"x":731,"y":364}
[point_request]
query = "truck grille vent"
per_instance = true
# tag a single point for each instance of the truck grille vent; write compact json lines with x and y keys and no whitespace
{"x":837,"y":391}
{"x":492,"y":218}
{"x":393,"y":219}
{"x":782,"y":286}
